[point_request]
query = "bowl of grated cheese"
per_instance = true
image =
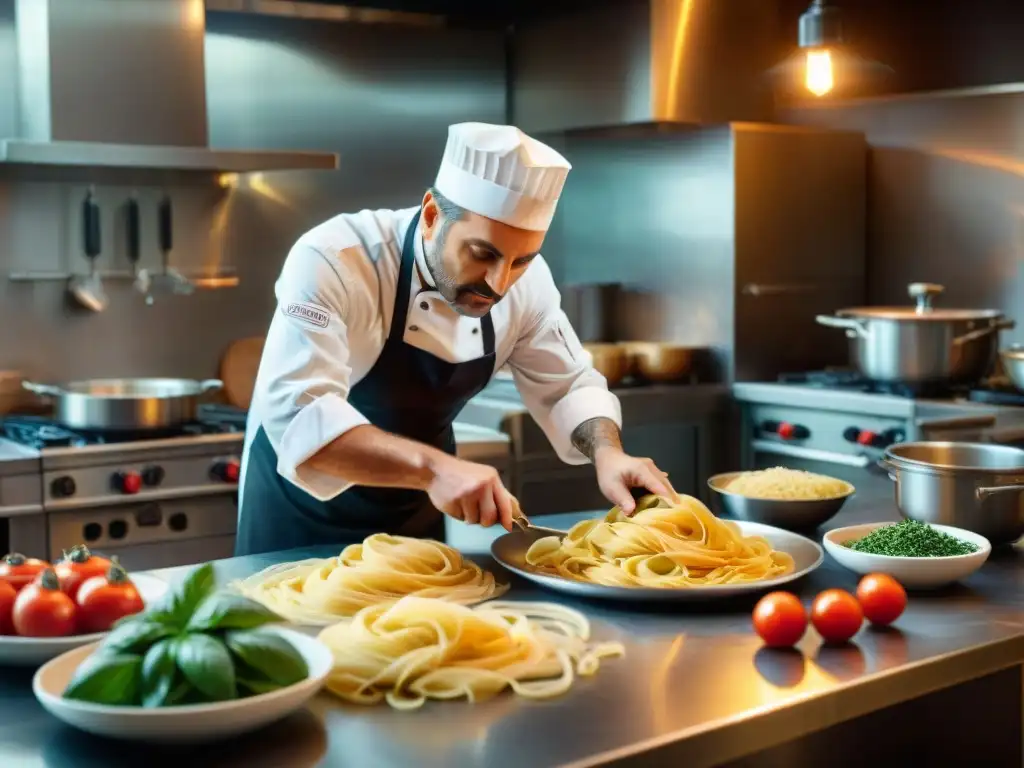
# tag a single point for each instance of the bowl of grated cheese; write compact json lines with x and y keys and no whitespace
{"x":785,"y":498}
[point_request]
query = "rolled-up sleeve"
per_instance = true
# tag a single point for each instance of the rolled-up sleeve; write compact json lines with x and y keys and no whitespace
{"x":553,"y":372}
{"x":304,"y":378}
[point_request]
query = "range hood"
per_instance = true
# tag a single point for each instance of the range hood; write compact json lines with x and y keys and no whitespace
{"x":638,"y":63}
{"x":115,"y":84}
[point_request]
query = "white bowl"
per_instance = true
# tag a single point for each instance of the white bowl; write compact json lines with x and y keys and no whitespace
{"x":33,"y":651}
{"x":187,"y":724}
{"x":911,"y":572}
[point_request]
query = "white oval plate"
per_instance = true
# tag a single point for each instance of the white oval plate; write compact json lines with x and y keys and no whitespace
{"x":911,"y":572}
{"x":510,"y":551}
{"x":188,"y":724}
{"x":33,"y":651}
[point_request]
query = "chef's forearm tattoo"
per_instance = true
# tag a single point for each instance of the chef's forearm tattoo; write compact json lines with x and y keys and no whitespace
{"x":595,"y":433}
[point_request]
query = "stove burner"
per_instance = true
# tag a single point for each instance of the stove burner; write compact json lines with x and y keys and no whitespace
{"x":996,"y":395}
{"x":851,"y":381}
{"x":40,"y":432}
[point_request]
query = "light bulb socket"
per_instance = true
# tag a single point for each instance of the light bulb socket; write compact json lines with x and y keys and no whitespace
{"x":821,"y":25}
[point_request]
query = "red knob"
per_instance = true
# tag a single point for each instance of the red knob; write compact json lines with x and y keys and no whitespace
{"x":128,"y":482}
{"x":232,"y":470}
{"x":786,"y":431}
{"x":866,"y":438}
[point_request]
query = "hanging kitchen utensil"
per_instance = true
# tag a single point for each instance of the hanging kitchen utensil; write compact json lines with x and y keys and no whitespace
{"x":133,"y":247}
{"x":178,"y":282}
{"x":238,"y":369}
{"x":88,"y":289}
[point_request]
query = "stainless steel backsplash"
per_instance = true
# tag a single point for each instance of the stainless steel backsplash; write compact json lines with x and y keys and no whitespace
{"x":945,"y":195}
{"x":381,"y":96}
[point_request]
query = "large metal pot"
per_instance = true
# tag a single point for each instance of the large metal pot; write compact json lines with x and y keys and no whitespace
{"x":125,"y":404}
{"x":921,"y":344}
{"x":1013,"y":365}
{"x":975,"y":486}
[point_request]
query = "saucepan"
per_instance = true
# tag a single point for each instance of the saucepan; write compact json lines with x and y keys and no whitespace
{"x":125,"y":404}
{"x":1013,"y":364}
{"x":921,"y":344}
{"x":975,"y":486}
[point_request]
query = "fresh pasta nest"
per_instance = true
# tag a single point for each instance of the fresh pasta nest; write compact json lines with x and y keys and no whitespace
{"x":421,"y":648}
{"x":382,"y":569}
{"x":668,"y":543}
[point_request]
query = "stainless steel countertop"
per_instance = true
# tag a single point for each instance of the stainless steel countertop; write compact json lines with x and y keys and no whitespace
{"x":696,"y":688}
{"x":16,"y":459}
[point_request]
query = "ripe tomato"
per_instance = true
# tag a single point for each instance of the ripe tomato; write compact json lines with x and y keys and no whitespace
{"x":102,"y":600}
{"x":18,"y":570}
{"x":780,"y":619}
{"x":836,"y":615}
{"x":42,"y":610}
{"x":7,"y":597}
{"x":881,"y":597}
{"x":78,"y":566}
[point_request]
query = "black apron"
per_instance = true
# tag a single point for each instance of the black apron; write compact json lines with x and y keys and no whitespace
{"x":408,"y":392}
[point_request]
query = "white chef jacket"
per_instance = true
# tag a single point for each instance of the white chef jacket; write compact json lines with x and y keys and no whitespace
{"x":335,"y":301}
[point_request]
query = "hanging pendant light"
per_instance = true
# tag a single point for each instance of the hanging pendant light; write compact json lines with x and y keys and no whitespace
{"x":823,"y":59}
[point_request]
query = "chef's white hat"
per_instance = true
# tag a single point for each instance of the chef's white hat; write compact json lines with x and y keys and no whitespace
{"x":499,"y":172}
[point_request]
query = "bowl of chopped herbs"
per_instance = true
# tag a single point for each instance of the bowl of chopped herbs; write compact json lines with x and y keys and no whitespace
{"x":918,"y":555}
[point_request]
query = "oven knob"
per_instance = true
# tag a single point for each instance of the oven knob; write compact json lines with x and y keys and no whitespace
{"x":178,"y":522}
{"x":63,"y":486}
{"x":92,"y":532}
{"x":127,"y":482}
{"x":153,"y":476}
{"x":891,"y":437}
{"x":117,"y":529}
{"x":851,"y":434}
{"x":868,"y":439}
{"x":789,"y":431}
{"x":227,"y":471}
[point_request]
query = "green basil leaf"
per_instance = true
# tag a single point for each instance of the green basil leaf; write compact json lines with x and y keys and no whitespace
{"x":159,"y":673}
{"x":256,"y":687}
{"x":230,"y":610}
{"x":177,"y":606}
{"x":106,"y":678}
{"x":206,"y":664}
{"x":134,"y":636}
{"x":269,"y":654}
{"x":180,"y":692}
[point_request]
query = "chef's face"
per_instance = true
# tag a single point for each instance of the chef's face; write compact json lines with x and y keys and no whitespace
{"x":474,"y":260}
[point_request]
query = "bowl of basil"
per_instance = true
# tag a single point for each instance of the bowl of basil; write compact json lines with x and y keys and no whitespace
{"x":200,"y":665}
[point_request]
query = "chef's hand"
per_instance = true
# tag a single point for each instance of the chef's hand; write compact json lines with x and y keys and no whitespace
{"x":470,"y":492}
{"x":618,"y":472}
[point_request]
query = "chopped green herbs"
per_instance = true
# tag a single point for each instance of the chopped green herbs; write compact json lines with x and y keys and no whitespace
{"x":911,"y":538}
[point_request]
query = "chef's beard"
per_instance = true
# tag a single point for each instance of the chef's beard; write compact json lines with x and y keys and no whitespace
{"x":445,"y":284}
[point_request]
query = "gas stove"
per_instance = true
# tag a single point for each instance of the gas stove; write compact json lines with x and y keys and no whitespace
{"x":155,"y":499}
{"x":838,"y":423}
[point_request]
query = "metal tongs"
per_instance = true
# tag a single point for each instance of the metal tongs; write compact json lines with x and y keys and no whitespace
{"x":522,"y":522}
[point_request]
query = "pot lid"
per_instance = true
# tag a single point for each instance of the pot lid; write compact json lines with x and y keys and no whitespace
{"x":923,"y":293}
{"x":947,"y":457}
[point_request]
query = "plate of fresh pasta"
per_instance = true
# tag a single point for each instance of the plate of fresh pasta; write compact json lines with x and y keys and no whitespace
{"x":670,"y":549}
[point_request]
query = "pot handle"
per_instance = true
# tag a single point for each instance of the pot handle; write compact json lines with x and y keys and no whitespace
{"x":1002,"y":324}
{"x":209,"y":385}
{"x":852,"y":327}
{"x":45,"y":390}
{"x":884,"y":465}
{"x":983,"y":493}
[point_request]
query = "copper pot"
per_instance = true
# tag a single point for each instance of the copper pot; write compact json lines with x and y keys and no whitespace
{"x":659,"y":361}
{"x":610,"y":360}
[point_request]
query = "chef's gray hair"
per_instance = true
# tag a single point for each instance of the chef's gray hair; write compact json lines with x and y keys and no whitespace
{"x":451,"y":211}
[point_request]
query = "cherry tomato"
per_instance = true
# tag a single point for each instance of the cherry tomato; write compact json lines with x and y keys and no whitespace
{"x":881,"y":597}
{"x":7,"y":597}
{"x":42,"y":610}
{"x":780,"y":619}
{"x":78,"y":566}
{"x":102,"y":600}
{"x":18,"y":570}
{"x":836,"y":615}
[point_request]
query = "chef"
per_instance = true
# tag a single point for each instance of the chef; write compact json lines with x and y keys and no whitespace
{"x":387,"y":323}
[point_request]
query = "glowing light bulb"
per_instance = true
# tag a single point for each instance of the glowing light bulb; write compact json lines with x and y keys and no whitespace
{"x":818,"y":78}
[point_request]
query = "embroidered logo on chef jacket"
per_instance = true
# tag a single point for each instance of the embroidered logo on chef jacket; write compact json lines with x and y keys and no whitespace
{"x":310,"y":314}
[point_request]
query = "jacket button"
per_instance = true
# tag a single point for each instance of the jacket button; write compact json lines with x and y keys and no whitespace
{"x":476,"y":330}
{"x":414,"y":327}
{"x":424,"y":305}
